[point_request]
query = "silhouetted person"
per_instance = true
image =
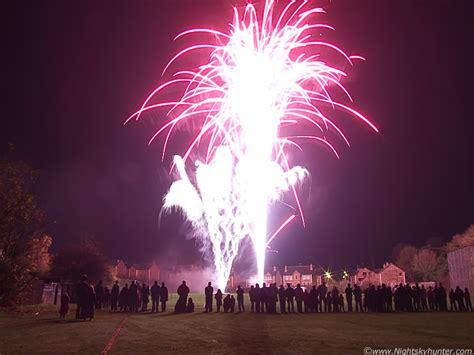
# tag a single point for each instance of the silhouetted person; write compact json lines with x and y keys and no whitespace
{"x":64,"y":308}
{"x":240,"y":298}
{"x":322,"y":290}
{"x":341,"y":303}
{"x":133,"y":296}
{"x":264,"y":298}
{"x":348,"y":292}
{"x":459,"y":297}
{"x":272,"y":298}
{"x":424,"y":298}
{"x":252,"y":298}
{"x":82,"y":291}
{"x":313,"y":300}
{"x":114,"y":296}
{"x":306,"y":301}
{"x":208,"y":292}
{"x":358,"y":298}
{"x":163,"y":297}
{"x":183,"y":292}
{"x":218,"y":297}
{"x":290,"y":296}
{"x":335,"y":299}
{"x":155,"y":292}
{"x":87,"y":311}
{"x":190,"y":306}
{"x":431,"y":301}
{"x":232,"y":304}
{"x":452,"y":301}
{"x":299,"y":298}
{"x":123,"y":298}
{"x":227,"y":302}
{"x":443,"y":306}
{"x":282,"y":299}
{"x":99,"y":293}
{"x":417,"y":297}
{"x":256,"y":295}
{"x":328,"y":303}
{"x":145,"y":297}
{"x":467,"y":299}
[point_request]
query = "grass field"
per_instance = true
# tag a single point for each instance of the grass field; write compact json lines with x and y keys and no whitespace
{"x":39,"y":330}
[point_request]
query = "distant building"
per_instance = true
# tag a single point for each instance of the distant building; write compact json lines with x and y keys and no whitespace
{"x":141,"y":272}
{"x":390,"y":274}
{"x":305,"y":275}
{"x":461,"y":268}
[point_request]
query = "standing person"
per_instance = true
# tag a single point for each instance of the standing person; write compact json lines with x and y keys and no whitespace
{"x":64,"y":308}
{"x":240,"y":298}
{"x":273,"y":298}
{"x":114,"y":296}
{"x":335,"y":299}
{"x":322,"y":290}
{"x":282,"y":299}
{"x":459,"y":297}
{"x":232,"y":304}
{"x":99,"y":294}
{"x":183,"y":292}
{"x":124,"y":298}
{"x":218,"y":297}
{"x":358,"y":298}
{"x":290,"y":295}
{"x":443,"y":306}
{"x":145,"y":293}
{"x":341,"y":303}
{"x":452,"y":301}
{"x":299,"y":294}
{"x":155,"y":297}
{"x":257,"y":295}
{"x":417,"y":298}
{"x":190,"y":306}
{"x":430,"y":296}
{"x":328,"y":303}
{"x":467,"y":299}
{"x":227,"y":303}
{"x":252,"y":298}
{"x":264,"y":298}
{"x":87,"y":311}
{"x":163,"y":296}
{"x":208,"y":291}
{"x":348,"y":292}
{"x":82,"y":290}
{"x":133,"y":296}
{"x":306,"y":301}
{"x":313,"y":296}
{"x":424,"y":296}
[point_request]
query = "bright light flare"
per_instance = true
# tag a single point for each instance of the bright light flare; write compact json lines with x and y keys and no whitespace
{"x":268,"y":76}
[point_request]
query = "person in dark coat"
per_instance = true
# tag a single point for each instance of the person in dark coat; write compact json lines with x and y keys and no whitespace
{"x":272,"y":298}
{"x":335,"y":299}
{"x":232,"y":304}
{"x":124,"y":298}
{"x":358,"y":298}
{"x":322,"y":290}
{"x":227,"y":303}
{"x":452,"y":301}
{"x":163,"y":296}
{"x":240,"y":298}
{"x":417,"y":298}
{"x":299,"y":294}
{"x":424,"y":298}
{"x":459,"y":297}
{"x":341,"y":303}
{"x":313,"y":300}
{"x":133,"y":297}
{"x":155,"y":292}
{"x":99,"y":294}
{"x":208,"y":291}
{"x":218,"y":298}
{"x":264,"y":298}
{"x":145,"y":297}
{"x":64,"y":308}
{"x":252,"y":298}
{"x":114,"y":296}
{"x":87,"y":311}
{"x":306,"y":301}
{"x":183,"y":292}
{"x":290,"y":296}
{"x":443,"y":306}
{"x":257,"y":295}
{"x":190,"y":306}
{"x":282,"y":299}
{"x":431,"y":301}
{"x":328,"y":304}
{"x":82,"y":291}
{"x":467,"y":299}
{"x":348,"y":292}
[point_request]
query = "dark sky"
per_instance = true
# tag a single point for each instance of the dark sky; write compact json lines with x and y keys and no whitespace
{"x":74,"y":70}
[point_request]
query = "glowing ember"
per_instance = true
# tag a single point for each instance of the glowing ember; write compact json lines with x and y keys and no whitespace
{"x":259,"y":80}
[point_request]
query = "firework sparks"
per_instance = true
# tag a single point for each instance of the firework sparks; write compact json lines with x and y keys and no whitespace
{"x":264,"y":76}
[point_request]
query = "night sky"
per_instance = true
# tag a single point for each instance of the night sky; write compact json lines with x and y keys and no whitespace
{"x":75,"y":70}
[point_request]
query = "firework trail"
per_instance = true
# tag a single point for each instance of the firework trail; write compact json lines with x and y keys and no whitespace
{"x":264,"y":78}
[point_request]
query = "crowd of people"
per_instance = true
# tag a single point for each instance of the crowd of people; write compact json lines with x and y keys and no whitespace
{"x":136,"y":298}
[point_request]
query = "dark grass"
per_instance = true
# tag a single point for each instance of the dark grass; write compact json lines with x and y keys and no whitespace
{"x":39,"y":330}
